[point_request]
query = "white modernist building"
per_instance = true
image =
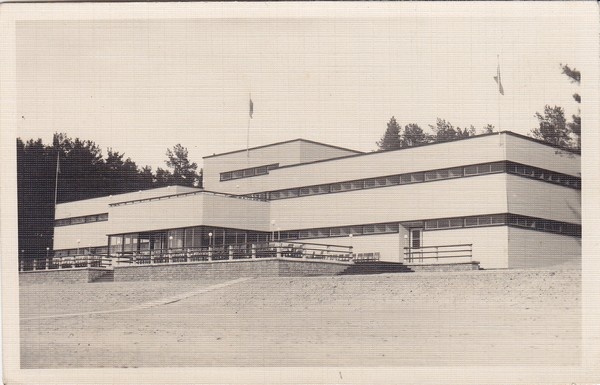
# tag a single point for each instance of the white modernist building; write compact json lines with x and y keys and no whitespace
{"x":507,"y":199}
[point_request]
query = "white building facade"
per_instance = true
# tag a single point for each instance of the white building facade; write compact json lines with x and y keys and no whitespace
{"x":509,"y":200}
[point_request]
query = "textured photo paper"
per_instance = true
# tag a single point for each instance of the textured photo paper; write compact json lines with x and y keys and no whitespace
{"x":299,"y":193}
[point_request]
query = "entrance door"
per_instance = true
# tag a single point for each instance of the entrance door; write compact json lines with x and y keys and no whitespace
{"x":416,"y":237}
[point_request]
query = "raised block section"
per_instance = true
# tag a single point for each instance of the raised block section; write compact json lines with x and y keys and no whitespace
{"x":61,"y":276}
{"x":268,"y":267}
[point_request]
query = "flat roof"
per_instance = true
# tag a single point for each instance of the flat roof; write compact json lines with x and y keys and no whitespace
{"x":285,"y":142}
{"x":573,"y":151}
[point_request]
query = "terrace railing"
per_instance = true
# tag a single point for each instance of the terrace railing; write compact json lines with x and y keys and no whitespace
{"x":301,"y":250}
{"x":71,"y":262}
{"x":439,"y":253}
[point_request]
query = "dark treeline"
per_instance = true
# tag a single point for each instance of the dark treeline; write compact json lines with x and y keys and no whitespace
{"x":83,"y":173}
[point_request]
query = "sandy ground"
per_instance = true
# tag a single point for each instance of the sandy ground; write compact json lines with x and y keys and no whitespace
{"x":508,"y":317}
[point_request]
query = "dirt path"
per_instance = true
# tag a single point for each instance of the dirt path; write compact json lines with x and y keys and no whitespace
{"x":524,"y":317}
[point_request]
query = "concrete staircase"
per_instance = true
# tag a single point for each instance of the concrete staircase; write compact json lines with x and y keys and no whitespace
{"x":108,"y":276}
{"x":377,"y":267}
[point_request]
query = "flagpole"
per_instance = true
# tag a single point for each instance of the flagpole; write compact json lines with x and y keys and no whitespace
{"x":248,"y":129}
{"x":498,"y":95}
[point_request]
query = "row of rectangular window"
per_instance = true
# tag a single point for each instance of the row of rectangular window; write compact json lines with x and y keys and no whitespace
{"x":344,"y":231}
{"x":391,"y":180}
{"x":545,"y":175}
{"x":248,"y":172}
{"x":437,"y":224}
{"x":418,"y":177}
{"x":81,"y":251}
{"x":80,"y":220}
{"x":446,"y":223}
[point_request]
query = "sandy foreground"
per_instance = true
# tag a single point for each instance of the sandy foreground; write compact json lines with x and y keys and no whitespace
{"x":504,"y":317}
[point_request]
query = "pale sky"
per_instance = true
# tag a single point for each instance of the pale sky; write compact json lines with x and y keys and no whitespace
{"x":142,"y":86}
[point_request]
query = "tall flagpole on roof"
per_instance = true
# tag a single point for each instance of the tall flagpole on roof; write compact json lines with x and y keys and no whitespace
{"x":250,"y":112}
{"x":498,"y":80}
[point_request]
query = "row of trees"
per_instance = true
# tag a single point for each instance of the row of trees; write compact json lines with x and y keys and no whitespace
{"x":553,"y":127}
{"x":83,"y":173}
{"x":413,"y":135}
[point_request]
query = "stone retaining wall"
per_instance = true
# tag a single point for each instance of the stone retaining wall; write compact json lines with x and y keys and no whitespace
{"x":60,"y":276}
{"x":270,"y":267}
{"x":467,"y":266}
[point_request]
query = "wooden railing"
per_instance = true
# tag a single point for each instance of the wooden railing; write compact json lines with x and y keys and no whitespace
{"x":433,"y":254}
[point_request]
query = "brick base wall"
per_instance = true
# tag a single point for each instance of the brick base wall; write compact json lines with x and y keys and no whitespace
{"x":59,"y":276}
{"x":228,"y":270}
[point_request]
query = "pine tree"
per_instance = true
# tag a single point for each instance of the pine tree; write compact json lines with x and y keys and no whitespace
{"x":391,"y":138}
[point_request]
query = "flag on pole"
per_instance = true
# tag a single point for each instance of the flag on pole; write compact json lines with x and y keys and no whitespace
{"x":499,"y":81}
{"x":251,"y":108}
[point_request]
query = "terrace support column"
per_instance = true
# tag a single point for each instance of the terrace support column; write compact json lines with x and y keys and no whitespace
{"x":22,"y":266}
{"x":89,"y":261}
{"x":170,"y":258}
{"x":210,"y":253}
{"x":47,"y":263}
{"x":253,"y":250}
{"x":35,"y":264}
{"x":230,"y":252}
{"x":187,"y":256}
{"x":278,"y":250}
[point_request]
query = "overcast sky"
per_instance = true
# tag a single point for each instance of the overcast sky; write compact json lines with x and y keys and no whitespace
{"x":141,"y":86}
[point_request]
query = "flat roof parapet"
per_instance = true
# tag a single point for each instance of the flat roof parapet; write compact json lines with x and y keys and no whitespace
{"x":133,"y":201}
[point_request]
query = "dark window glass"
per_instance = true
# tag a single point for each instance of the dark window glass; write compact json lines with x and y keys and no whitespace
{"x":498,"y":167}
{"x":356,"y":230}
{"x":456,"y":222}
{"x":470,"y":170}
{"x":261,"y":170}
{"x":472,"y":221}
{"x":237,"y":174}
{"x":431,"y":224}
{"x":335,"y":231}
{"x":391,"y":227}
{"x":103,"y":217}
{"x":391,"y":180}
{"x":443,"y":223}
{"x":249,"y":172}
{"x":417,"y":177}
{"x":484,"y":168}
{"x":442,"y":174}
{"x":226,"y":176}
{"x":304,"y":191}
{"x":91,"y":218}
{"x":406,"y":178}
{"x":431,"y":175}
{"x":304,"y":234}
{"x":336,"y":187}
{"x":498,"y":219}
{"x":369,"y":183}
{"x":76,"y":221}
{"x":455,"y":172}
{"x":368,"y":229}
{"x":272,"y":166}
{"x":484,"y":221}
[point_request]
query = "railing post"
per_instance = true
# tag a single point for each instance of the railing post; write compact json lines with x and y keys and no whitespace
{"x":253,"y":250}
{"x":35,"y":264}
{"x":210,"y":253}
{"x":188,"y":258}
{"x":47,"y":263}
{"x":60,"y":263}
{"x":170,"y":257}
{"x":230,"y":249}
{"x":89,"y":261}
{"x":22,"y":265}
{"x":278,"y":250}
